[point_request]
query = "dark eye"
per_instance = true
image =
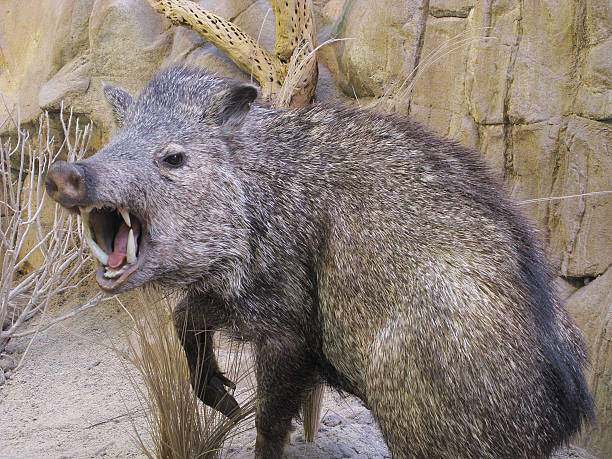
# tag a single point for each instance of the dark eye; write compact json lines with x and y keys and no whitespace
{"x":174,"y":159}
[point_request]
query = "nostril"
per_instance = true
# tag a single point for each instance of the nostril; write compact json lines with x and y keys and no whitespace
{"x":50,"y":185}
{"x":74,"y":180}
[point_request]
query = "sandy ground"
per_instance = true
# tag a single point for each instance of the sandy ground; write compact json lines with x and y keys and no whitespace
{"x":71,"y":396}
{"x":72,"y":399}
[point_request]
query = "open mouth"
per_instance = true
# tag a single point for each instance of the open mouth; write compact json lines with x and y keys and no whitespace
{"x":114,"y":236}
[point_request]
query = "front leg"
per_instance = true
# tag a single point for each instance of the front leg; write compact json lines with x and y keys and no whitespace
{"x":284,"y":374}
{"x":196,"y":328}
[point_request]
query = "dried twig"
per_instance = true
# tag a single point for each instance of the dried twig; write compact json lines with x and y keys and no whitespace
{"x":94,"y":301}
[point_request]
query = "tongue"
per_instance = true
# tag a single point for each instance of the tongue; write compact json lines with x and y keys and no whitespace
{"x":116,"y":258}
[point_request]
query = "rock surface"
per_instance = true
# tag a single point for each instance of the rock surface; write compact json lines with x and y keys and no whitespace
{"x":591,"y":306}
{"x":529,"y":84}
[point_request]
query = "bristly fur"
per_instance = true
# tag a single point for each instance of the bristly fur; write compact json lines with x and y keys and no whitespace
{"x":356,"y":248}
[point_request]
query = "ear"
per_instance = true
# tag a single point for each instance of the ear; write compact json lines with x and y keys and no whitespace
{"x":120,"y":99}
{"x":234,"y":104}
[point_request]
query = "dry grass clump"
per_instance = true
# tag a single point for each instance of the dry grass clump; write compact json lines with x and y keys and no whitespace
{"x":397,"y":96}
{"x":178,"y":424}
{"x":41,"y":251}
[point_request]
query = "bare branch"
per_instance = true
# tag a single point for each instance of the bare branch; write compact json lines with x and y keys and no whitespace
{"x":229,"y":38}
{"x":294,"y":24}
{"x":295,"y":45}
{"x":91,"y":303}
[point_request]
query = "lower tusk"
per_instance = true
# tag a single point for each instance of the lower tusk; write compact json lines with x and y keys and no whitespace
{"x":96,"y":250}
{"x":112,"y":273}
{"x":131,"y":248}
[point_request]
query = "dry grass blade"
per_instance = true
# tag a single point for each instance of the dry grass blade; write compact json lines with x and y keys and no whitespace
{"x":311,"y":412}
{"x":178,"y":425}
{"x":569,"y":196}
{"x":299,"y":69}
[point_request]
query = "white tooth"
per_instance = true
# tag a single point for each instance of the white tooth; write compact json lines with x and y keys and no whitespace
{"x":97,"y":251}
{"x":85,"y":218}
{"x":112,"y":273}
{"x":84,"y":213}
{"x":131,"y":248}
{"x":126,"y":217}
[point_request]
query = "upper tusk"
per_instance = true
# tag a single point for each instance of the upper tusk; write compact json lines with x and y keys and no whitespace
{"x":85,"y":219}
{"x":126,"y":217}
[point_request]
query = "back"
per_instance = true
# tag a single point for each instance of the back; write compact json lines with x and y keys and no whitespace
{"x":429,"y":273}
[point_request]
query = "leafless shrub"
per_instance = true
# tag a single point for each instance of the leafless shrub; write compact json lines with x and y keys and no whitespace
{"x":177,"y":423}
{"x":38,"y":260}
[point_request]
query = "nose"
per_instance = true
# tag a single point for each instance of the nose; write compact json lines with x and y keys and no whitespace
{"x":65,"y":184}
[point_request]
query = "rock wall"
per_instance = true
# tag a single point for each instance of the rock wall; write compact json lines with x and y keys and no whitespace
{"x":591,"y":306}
{"x":528,"y":83}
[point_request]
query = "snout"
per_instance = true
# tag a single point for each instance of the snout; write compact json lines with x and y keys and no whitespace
{"x":65,"y":183}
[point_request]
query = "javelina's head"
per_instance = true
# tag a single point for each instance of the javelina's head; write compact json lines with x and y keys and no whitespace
{"x":160,"y":201}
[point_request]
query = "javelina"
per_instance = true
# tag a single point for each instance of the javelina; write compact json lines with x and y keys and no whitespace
{"x":349,"y":247}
